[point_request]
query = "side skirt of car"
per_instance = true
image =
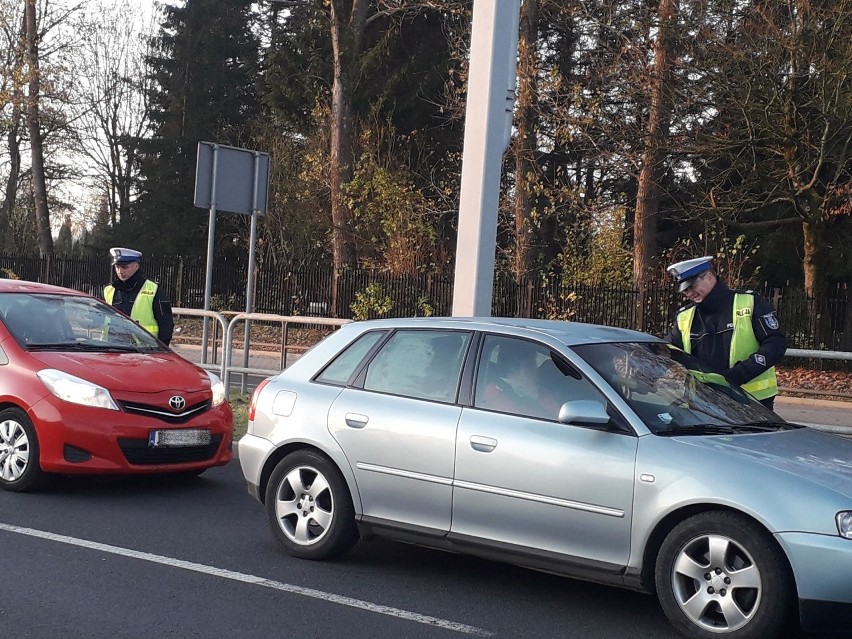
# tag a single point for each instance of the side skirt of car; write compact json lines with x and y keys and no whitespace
{"x":544,"y":561}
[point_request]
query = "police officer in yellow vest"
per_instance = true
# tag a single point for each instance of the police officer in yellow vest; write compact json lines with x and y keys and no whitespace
{"x":137,"y":297}
{"x":736,"y":333}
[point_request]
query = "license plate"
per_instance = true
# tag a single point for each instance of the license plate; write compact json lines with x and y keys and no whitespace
{"x":177,"y":438}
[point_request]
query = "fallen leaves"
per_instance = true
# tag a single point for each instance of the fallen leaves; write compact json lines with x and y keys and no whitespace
{"x":805,"y":379}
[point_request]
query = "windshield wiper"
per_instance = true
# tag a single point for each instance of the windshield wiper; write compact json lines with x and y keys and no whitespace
{"x":768,"y":426}
{"x":83,"y":346}
{"x":52,"y":346}
{"x":728,"y":429}
{"x":697,"y":429}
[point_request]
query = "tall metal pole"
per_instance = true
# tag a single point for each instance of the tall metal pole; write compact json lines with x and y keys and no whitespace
{"x":251,"y":260}
{"x":488,"y":121}
{"x":211,"y":236}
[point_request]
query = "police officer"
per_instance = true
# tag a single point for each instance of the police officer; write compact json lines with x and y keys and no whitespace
{"x":735,"y":333}
{"x":137,"y":297}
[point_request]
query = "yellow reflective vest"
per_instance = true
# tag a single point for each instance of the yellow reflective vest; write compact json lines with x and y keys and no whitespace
{"x":743,"y":344}
{"x":143,"y":306}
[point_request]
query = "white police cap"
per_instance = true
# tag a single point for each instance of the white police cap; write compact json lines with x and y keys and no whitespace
{"x":124,"y":255}
{"x":684,"y":273}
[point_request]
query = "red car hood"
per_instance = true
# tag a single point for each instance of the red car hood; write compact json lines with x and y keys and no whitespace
{"x":133,"y":372}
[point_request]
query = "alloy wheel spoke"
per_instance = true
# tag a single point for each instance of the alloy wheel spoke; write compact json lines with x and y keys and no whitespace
{"x":748,"y":577}
{"x":318,"y":487}
{"x":6,"y":431}
{"x":295,"y":481}
{"x":732,"y":612}
{"x":286,"y":507}
{"x":322,"y":518}
{"x":302,"y":533}
{"x":718,"y":550}
{"x":686,"y":565}
{"x":697,"y":604}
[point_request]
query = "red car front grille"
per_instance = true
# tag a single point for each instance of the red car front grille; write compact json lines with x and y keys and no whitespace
{"x":165,"y":414}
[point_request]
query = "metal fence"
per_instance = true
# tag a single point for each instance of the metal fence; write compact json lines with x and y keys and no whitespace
{"x":823,"y":323}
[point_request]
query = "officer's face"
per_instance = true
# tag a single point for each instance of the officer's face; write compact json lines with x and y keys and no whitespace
{"x":125,"y":271}
{"x":699,"y":288}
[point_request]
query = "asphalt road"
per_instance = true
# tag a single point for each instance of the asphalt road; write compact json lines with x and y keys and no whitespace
{"x":194,"y":558}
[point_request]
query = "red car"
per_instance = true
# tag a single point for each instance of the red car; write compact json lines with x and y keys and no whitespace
{"x":85,"y":390}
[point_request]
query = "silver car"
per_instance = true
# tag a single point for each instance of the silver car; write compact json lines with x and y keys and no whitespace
{"x":598,"y":453}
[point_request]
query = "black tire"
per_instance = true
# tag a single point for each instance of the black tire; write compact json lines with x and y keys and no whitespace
{"x":19,"y":453}
{"x":309,"y":507}
{"x":742,"y":589}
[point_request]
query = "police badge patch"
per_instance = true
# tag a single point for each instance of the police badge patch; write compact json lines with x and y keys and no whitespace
{"x":771,"y":321}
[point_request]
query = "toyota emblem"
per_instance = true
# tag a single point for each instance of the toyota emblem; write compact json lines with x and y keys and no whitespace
{"x":177,"y":403}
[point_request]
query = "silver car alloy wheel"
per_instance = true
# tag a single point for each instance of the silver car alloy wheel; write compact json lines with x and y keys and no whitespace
{"x":14,"y":450}
{"x":716,"y":583}
{"x":304,"y":505}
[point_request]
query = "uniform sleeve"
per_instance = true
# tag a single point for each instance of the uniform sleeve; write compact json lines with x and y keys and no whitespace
{"x":163,"y":315}
{"x":772,"y":344}
{"x":674,"y":338}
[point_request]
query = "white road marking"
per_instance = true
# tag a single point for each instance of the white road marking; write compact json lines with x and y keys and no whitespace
{"x":252,"y":579}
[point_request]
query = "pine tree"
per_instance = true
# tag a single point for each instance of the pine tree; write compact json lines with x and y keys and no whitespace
{"x":204,"y":70}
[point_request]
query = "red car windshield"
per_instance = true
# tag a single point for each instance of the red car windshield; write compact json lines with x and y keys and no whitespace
{"x":41,"y":321}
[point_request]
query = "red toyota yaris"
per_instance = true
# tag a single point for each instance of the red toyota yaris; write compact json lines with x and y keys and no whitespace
{"x":85,"y":390}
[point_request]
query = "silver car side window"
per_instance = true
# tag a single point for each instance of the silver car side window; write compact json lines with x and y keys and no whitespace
{"x":342,"y":367}
{"x":520,"y":377}
{"x":423,"y":364}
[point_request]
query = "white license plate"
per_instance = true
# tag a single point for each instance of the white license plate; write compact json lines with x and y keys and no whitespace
{"x":176,"y":438}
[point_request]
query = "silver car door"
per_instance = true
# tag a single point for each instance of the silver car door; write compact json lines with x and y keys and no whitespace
{"x":399,"y":430}
{"x":535,"y":483}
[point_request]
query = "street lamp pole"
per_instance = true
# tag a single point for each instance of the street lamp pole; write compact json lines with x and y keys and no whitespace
{"x":488,"y":128}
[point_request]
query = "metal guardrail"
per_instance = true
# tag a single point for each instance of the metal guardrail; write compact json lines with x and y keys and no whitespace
{"x":800,"y":352}
{"x":221,"y":321}
{"x":285,"y":320}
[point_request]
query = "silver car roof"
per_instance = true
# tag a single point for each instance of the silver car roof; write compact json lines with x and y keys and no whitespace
{"x":569,"y":333}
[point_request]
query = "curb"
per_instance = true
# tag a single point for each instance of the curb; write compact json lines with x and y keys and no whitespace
{"x":812,"y":401}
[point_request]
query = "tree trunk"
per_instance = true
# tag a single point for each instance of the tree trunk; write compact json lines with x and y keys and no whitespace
{"x":45,"y":238}
{"x":809,"y":261}
{"x":525,"y":146}
{"x":11,"y":191}
{"x":347,"y":32}
{"x":656,"y":139}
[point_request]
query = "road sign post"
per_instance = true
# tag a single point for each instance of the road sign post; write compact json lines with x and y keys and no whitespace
{"x":229,"y":179}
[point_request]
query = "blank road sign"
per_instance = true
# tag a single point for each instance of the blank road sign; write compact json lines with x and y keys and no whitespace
{"x":235,"y":178}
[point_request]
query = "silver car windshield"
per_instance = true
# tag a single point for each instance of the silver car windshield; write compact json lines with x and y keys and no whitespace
{"x":71,"y":323}
{"x":673,"y":393}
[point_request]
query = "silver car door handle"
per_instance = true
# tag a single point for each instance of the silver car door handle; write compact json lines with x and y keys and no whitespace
{"x":482,"y":444}
{"x":354,"y":420}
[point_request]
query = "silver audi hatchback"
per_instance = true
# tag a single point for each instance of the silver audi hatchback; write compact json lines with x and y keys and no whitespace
{"x":598,"y":453}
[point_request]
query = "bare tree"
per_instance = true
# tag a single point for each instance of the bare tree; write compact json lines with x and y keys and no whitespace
{"x":655,"y":143}
{"x":781,"y":141}
{"x":112,"y":92}
{"x":348,"y":21}
{"x":12,"y":27}
{"x":33,"y":37}
{"x":526,"y":144}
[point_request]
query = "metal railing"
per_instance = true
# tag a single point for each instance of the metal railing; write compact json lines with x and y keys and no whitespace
{"x":222,"y":322}
{"x":803,"y":352}
{"x":285,"y":321}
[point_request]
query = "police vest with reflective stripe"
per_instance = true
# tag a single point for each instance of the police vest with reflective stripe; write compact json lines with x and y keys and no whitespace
{"x":143,"y":306}
{"x":743,"y":344}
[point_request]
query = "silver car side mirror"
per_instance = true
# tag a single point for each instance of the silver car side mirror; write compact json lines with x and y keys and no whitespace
{"x":586,"y":411}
